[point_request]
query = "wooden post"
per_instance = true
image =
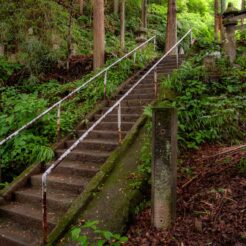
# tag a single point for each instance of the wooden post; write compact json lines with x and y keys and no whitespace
{"x":164,"y":170}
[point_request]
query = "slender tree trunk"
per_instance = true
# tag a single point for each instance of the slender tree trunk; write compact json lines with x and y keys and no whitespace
{"x":69,"y":35}
{"x":216,"y":20}
{"x":99,"y":33}
{"x":144,"y":13}
{"x":116,"y":7}
{"x":171,"y":29}
{"x":81,"y":7}
{"x":122,"y":24}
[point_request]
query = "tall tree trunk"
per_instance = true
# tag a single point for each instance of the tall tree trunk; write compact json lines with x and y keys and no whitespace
{"x":99,"y":33}
{"x":116,"y":7}
{"x":122,"y":24}
{"x":81,"y":7}
{"x":69,"y":35}
{"x":171,"y":29}
{"x":216,"y":20}
{"x":144,"y":13}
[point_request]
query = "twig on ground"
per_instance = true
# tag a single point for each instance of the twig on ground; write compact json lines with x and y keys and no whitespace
{"x":225,"y":152}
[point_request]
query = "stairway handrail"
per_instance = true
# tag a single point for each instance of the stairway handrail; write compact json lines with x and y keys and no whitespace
{"x":84,"y":135}
{"x":58,"y":104}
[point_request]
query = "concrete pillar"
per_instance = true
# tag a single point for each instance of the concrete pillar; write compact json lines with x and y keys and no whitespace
{"x":164,"y":167}
{"x":230,"y":46}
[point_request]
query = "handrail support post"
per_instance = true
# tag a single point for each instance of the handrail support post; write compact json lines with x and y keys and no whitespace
{"x":155,"y":81}
{"x":155,"y":43}
{"x":134,"y":57}
{"x":44,"y":207}
{"x":177,"y":57}
{"x":58,"y":129}
{"x":119,"y":124}
{"x":105,"y":85}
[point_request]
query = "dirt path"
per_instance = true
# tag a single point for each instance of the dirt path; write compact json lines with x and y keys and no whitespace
{"x":211,"y":206}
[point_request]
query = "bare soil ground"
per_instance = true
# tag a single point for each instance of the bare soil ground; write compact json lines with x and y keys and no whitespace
{"x":211,"y":205}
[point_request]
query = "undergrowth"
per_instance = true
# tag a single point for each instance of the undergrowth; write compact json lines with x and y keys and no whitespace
{"x":18,"y":108}
{"x":209,"y":110}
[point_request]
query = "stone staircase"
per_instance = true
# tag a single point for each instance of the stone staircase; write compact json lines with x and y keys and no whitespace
{"x":21,"y":216}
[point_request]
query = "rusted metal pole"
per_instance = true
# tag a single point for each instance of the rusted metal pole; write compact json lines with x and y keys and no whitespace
{"x":155,"y":43}
{"x":164,"y":170}
{"x":134,"y":57}
{"x":155,"y":82}
{"x":58,"y":126}
{"x":191,"y":38}
{"x":119,"y":124}
{"x":105,"y":85}
{"x":177,"y":57}
{"x":44,"y":207}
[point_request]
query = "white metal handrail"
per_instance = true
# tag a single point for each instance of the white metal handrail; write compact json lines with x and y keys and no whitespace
{"x":58,"y":104}
{"x":117,"y":104}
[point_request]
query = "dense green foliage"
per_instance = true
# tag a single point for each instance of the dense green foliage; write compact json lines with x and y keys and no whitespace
{"x":34,"y":144}
{"x":103,"y":237}
{"x":34,"y":36}
{"x":210,"y":110}
{"x":34,"y":33}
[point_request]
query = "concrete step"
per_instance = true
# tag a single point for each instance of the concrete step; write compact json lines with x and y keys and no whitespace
{"x":57,"y":200}
{"x":139,"y":90}
{"x":140,"y":96}
{"x":102,"y":134}
{"x":125,"y":126}
{"x":94,"y":144}
{"x":77,"y":168}
{"x":148,"y":85}
{"x":133,"y":102}
{"x":26,"y":215}
{"x":14,"y":234}
{"x":85,"y":155}
{"x":166,"y":70}
{"x":21,"y":219}
{"x":66,"y":183}
{"x":127,"y":110}
{"x":114,"y":117}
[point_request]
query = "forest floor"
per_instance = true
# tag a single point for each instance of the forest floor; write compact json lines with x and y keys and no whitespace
{"x":211,"y":203}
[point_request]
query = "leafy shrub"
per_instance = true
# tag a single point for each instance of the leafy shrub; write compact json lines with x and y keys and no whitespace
{"x":208,"y":111}
{"x":105,"y":237}
{"x":18,"y":108}
{"x":31,"y":145}
{"x":6,"y":70}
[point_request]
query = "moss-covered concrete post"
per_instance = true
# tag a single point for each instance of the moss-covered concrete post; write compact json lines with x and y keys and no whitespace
{"x":230,"y":39}
{"x":164,"y":168}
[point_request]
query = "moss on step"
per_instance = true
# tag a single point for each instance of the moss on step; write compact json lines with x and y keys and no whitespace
{"x":86,"y":201}
{"x":19,"y":181}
